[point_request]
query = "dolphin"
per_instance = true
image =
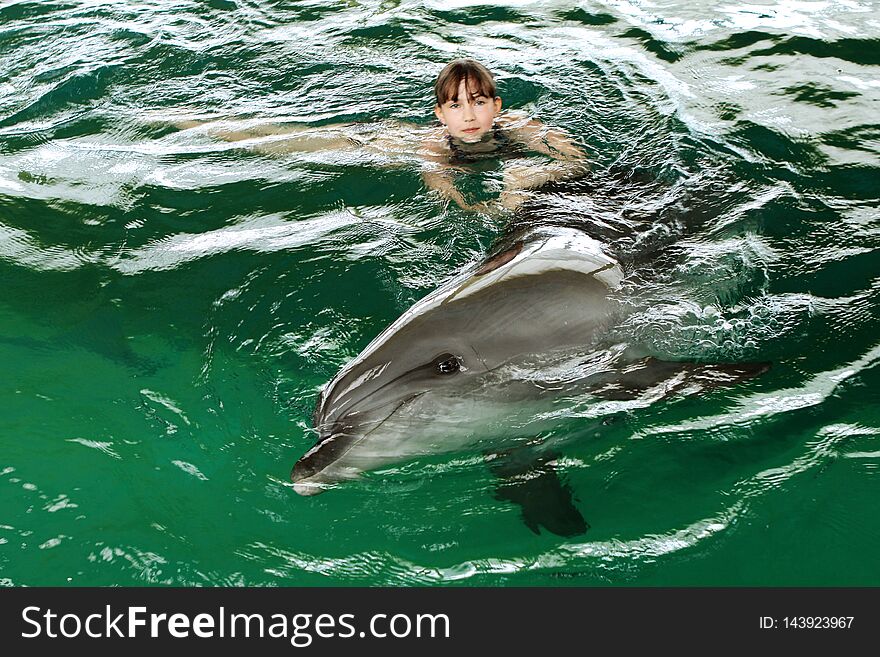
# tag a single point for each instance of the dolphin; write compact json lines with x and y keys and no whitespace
{"x":536,"y":292}
{"x":484,"y":356}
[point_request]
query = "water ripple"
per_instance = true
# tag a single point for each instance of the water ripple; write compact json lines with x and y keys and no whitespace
{"x":213,"y":287}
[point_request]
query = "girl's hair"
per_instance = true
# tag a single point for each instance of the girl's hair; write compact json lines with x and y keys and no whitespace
{"x":478,"y":80}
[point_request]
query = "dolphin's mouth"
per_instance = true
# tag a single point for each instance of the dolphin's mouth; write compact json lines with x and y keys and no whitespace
{"x":306,"y":473}
{"x":325,"y":452}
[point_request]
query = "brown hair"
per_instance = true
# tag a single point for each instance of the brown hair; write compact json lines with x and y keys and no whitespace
{"x":478,"y":80}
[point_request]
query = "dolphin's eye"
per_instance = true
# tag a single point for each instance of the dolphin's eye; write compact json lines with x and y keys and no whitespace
{"x":448,"y":364}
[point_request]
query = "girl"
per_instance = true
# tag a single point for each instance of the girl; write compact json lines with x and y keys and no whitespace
{"x":472,"y":128}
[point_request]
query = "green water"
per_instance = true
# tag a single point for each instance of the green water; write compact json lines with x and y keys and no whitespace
{"x":171,"y":303}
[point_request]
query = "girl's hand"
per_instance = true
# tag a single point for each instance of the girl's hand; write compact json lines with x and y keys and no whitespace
{"x":511,"y":200}
{"x":506,"y":202}
{"x":523,"y":176}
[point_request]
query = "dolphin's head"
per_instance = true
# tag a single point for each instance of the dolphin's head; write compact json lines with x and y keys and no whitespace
{"x":424,"y":378}
{"x":413,"y":369}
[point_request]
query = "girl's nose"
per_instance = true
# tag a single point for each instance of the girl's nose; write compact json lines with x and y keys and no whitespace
{"x":469,"y":112}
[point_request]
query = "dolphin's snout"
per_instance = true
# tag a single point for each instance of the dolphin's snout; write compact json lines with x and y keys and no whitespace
{"x":307,"y":488}
{"x":308,"y":474}
{"x":307,"y":471}
{"x":300,"y":475}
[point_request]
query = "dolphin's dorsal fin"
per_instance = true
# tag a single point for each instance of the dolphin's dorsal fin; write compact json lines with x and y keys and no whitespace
{"x":558,"y":249}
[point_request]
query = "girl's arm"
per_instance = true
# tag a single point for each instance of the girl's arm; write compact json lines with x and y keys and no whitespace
{"x":287,"y":137}
{"x":441,"y":181}
{"x":548,"y":141}
{"x":437,"y":174}
{"x":569,"y":160}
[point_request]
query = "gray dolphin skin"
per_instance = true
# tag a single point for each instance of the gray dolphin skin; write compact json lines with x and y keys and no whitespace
{"x":459,"y":367}
{"x":418,"y":387}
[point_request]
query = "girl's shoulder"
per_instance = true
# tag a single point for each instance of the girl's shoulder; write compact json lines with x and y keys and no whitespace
{"x":434,"y":144}
{"x":515,"y":120}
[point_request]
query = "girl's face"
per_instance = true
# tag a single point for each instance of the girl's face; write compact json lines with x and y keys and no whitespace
{"x":470,"y":116}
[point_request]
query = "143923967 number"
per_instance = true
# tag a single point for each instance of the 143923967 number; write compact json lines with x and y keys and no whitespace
{"x":817,"y":622}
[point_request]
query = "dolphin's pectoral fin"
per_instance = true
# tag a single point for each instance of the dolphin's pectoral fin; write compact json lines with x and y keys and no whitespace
{"x":530,"y":481}
{"x":670,"y":378}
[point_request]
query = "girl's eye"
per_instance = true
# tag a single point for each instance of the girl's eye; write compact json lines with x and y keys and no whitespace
{"x":454,"y":106}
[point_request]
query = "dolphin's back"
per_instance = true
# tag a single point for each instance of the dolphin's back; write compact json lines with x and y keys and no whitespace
{"x":543,"y":278}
